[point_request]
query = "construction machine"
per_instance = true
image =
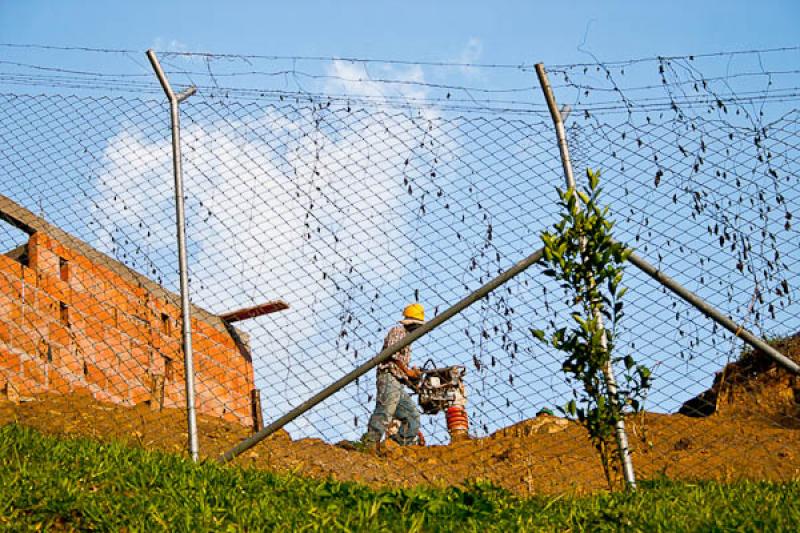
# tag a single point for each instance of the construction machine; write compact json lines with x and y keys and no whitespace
{"x":442,"y":390}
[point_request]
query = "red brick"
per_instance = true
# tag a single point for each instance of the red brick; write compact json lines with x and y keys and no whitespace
{"x":10,"y":308}
{"x":28,"y":386}
{"x":85,"y":283}
{"x":56,"y":288}
{"x":116,"y":297}
{"x":44,"y":350}
{"x":85,"y":345}
{"x":116,"y":342}
{"x":81,"y":388}
{"x":87,"y":305}
{"x":139,"y":394}
{"x":95,"y":375}
{"x":61,"y":251}
{"x":10,"y":285}
{"x":5,"y":332}
{"x":10,"y":267}
{"x":59,"y":333}
{"x":68,"y":360}
{"x":201,"y":343}
{"x":47,"y":305}
{"x":140,"y":353}
{"x":28,"y":291}
{"x":132,"y":370}
{"x":58,"y":382}
{"x":107,"y":315}
{"x":41,"y":259}
{"x":95,"y":329}
{"x":35,"y":320}
{"x":118,"y":385}
{"x":30,"y":277}
{"x":127,"y":326}
{"x":172,"y":348}
{"x":10,"y":360}
{"x":25,"y":339}
{"x":34,"y":369}
{"x":105,"y":356}
{"x":157,"y":364}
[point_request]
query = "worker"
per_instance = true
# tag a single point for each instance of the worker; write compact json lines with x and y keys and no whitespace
{"x":392,"y":401}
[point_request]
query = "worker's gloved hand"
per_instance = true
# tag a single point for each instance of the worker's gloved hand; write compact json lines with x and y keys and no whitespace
{"x":414,"y":373}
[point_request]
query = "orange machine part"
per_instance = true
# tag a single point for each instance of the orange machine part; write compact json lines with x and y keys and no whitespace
{"x":457,"y":422}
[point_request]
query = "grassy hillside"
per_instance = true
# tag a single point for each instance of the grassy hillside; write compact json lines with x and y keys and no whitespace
{"x":53,"y":483}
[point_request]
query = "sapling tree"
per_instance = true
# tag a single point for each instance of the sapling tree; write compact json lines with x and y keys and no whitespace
{"x":581,"y":254}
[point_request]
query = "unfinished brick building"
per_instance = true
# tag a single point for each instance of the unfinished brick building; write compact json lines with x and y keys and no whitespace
{"x":73,"y":320}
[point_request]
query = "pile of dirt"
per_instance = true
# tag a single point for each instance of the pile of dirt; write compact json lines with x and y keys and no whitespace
{"x":543,"y":455}
{"x":754,"y":385}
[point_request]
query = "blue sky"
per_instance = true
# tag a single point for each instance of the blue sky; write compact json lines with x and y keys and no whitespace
{"x":507,"y":32}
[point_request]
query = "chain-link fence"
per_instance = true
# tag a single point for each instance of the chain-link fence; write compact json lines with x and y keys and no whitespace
{"x":348,"y":209}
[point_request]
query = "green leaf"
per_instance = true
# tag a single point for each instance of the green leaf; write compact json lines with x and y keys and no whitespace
{"x":538,"y":333}
{"x":594,"y":178}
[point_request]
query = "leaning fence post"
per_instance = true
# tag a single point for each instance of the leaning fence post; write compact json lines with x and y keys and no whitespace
{"x":186,"y":317}
{"x":608,"y":371}
{"x":385,"y":354}
{"x":704,"y":307}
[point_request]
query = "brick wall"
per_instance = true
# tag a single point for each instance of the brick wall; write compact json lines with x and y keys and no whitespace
{"x":70,"y":324}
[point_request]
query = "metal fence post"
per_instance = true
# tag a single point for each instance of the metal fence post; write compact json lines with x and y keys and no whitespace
{"x":608,"y":371}
{"x":186,"y":318}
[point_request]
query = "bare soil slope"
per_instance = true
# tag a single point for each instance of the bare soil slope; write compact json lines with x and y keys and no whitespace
{"x":542,"y":455}
{"x":747,"y":425}
{"x":754,"y":386}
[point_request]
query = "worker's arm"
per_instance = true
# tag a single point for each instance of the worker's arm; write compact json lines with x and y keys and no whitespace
{"x":412,"y":373}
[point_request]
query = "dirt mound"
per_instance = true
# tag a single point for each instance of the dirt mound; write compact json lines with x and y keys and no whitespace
{"x":756,"y":385}
{"x":543,"y":455}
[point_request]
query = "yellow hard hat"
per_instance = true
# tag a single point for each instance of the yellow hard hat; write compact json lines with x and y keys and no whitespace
{"x":413,"y":314}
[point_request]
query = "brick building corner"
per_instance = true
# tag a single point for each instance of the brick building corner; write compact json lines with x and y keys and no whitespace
{"x":73,"y":320}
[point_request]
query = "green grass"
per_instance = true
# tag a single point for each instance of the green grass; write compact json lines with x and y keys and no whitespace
{"x":51,"y":483}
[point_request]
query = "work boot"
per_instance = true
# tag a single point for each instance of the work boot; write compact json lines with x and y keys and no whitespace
{"x":364,"y":445}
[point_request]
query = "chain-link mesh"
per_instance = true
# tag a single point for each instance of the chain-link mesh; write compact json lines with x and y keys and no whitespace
{"x":348,"y":210}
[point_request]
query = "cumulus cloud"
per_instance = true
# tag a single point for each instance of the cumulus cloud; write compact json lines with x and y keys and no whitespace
{"x":355,"y":79}
{"x":471,"y":53}
{"x":288,"y":203}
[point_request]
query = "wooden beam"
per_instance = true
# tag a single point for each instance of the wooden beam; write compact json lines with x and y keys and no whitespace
{"x":255,"y":311}
{"x":258,"y":415}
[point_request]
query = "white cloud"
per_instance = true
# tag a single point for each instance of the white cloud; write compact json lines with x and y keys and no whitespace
{"x":250,"y":185}
{"x":354,"y":79}
{"x":169,"y":45}
{"x":471,"y":53}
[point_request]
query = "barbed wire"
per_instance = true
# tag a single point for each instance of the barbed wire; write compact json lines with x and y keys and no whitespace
{"x":458,"y":97}
{"x":615,"y":63}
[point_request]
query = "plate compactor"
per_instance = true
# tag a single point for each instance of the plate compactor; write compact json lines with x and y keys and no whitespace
{"x":442,"y":389}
